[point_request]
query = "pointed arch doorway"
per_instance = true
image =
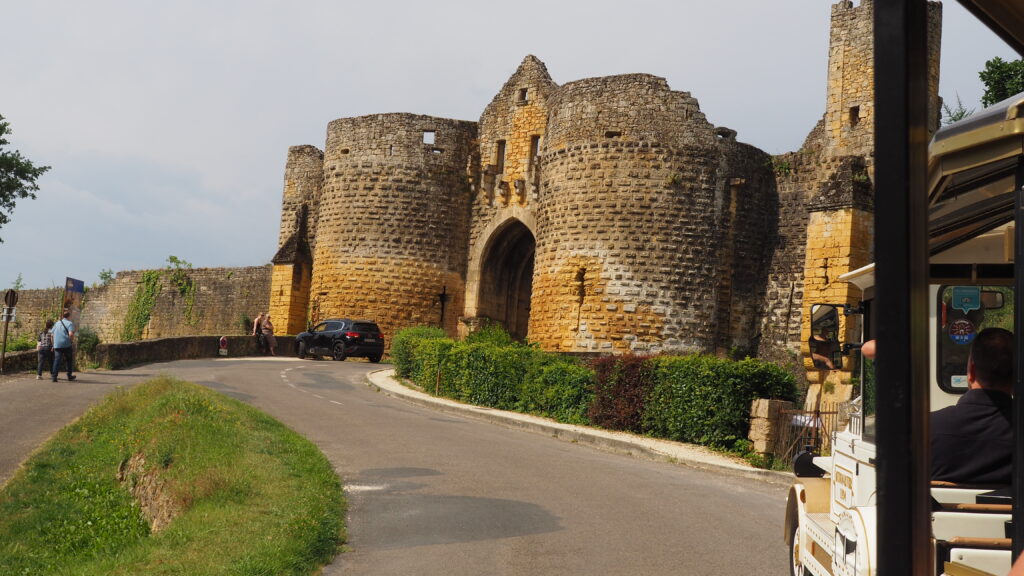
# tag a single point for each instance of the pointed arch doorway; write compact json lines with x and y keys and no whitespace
{"x":506,"y":277}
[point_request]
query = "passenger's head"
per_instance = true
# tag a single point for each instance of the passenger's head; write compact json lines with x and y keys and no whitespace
{"x":991,"y":362}
{"x":67,"y":313}
{"x":49,"y":324}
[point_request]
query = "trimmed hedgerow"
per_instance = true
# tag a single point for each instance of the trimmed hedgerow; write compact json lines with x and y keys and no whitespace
{"x":706,"y":400}
{"x":403,"y":347}
{"x":698,"y":399}
{"x":485,"y":374}
{"x":558,"y":388}
{"x":428,"y":370}
{"x":621,"y":389}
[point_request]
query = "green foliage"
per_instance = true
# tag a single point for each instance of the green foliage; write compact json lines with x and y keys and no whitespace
{"x":141,"y":306}
{"x":698,"y":399}
{"x":223,"y":464}
{"x":428,"y":369}
{"x":22,"y":342}
{"x":781,"y":167}
{"x":18,"y":175}
{"x":106,"y":276}
{"x":706,"y":400}
{"x":1002,"y":79}
{"x":403,"y":347}
{"x":88,"y":340}
{"x":246,"y":323}
{"x":956,"y":113}
{"x":180,"y":278}
{"x":493,"y":334}
{"x":557,"y":387}
{"x":18,"y":284}
{"x":485,"y":374}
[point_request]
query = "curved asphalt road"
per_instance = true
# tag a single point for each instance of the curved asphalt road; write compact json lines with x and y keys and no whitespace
{"x":434,"y":493}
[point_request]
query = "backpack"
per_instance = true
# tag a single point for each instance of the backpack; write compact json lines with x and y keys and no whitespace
{"x":45,"y":341}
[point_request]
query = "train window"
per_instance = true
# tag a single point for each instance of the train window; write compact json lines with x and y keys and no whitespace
{"x":963,"y":311}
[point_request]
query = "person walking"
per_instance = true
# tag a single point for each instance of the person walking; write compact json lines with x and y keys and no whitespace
{"x":44,"y":349}
{"x":63,"y":332}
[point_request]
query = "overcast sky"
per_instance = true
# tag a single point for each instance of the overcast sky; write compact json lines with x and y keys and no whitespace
{"x":167,"y":124}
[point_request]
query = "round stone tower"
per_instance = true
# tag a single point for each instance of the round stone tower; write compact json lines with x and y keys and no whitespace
{"x":392,"y":226}
{"x":627,"y":250}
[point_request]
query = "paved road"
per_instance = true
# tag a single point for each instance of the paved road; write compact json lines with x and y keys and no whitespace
{"x":436,"y":493}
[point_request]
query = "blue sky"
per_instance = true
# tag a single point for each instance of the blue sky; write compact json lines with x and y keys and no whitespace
{"x":167,"y":123}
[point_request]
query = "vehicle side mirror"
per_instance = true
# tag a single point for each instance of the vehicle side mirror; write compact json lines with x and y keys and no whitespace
{"x":825,"y":347}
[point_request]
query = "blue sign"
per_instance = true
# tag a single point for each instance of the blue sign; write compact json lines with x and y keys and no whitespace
{"x":966,"y":298}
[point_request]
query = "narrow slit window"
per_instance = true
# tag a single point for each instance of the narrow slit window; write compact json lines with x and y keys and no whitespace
{"x":854,"y":115}
{"x":612,"y":134}
{"x":428,"y":137}
{"x":499,"y":157}
{"x":524,"y":94}
{"x":534,"y":150}
{"x":391,"y":149}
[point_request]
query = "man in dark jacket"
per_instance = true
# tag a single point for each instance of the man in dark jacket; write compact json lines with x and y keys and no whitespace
{"x":972,"y":442}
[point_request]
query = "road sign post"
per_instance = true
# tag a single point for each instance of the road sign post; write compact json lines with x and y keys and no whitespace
{"x":10,"y":301}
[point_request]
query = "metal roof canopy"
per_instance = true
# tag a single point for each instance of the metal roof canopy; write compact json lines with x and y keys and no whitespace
{"x":972,"y":167}
{"x":1004,"y":17}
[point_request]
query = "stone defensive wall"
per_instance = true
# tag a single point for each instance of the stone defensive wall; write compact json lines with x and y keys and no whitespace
{"x":219,"y":302}
{"x":393,"y":219}
{"x":630,"y":237}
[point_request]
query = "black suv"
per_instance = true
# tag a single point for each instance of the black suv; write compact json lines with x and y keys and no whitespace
{"x":340,"y":338}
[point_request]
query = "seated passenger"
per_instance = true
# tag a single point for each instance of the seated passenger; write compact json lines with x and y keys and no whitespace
{"x":972,"y":442}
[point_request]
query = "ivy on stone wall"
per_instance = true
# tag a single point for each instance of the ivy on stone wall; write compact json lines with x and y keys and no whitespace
{"x":180,"y":278}
{"x":141,"y":306}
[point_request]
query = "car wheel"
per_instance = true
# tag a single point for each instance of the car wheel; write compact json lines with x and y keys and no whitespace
{"x":374,"y":358}
{"x":339,"y":351}
{"x":796,"y":565}
{"x":301,"y":350}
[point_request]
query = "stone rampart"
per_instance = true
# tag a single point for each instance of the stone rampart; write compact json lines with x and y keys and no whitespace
{"x":216,"y":304}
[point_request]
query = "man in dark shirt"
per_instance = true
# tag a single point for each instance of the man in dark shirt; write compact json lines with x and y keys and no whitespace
{"x":972,"y":442}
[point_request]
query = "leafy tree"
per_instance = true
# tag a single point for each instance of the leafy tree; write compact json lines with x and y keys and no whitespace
{"x":951,"y":114}
{"x":1002,"y":79}
{"x":106,"y":276}
{"x":17,"y":175}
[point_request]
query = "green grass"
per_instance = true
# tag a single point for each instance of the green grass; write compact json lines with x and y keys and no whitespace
{"x":255,"y":498}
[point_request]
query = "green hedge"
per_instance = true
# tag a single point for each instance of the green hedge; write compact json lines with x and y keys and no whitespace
{"x":698,"y":399}
{"x":706,"y":400}
{"x":558,"y":388}
{"x":403,"y":347}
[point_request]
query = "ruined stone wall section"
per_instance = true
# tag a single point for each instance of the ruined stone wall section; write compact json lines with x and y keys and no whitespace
{"x":394,"y":219}
{"x":749,"y":228}
{"x":34,"y":308}
{"x":515,"y":122}
{"x":797,"y":175}
{"x":223,"y":296}
{"x":849,"y":109}
{"x":630,"y":108}
{"x":303,"y":181}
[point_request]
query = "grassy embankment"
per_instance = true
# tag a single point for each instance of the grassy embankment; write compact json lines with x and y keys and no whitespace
{"x":244,"y":494}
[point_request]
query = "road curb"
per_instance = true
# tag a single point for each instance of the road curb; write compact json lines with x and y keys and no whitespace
{"x":619,"y":442}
